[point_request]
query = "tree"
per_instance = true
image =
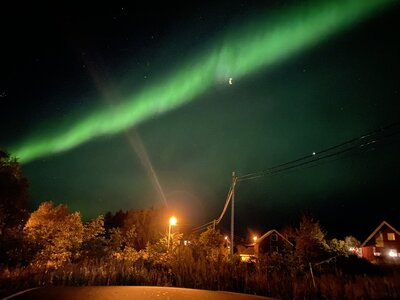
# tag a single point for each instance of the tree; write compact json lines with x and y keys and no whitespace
{"x":311,"y":245}
{"x":94,"y":241}
{"x":352,"y":245}
{"x":211,"y":242}
{"x":137,"y":227}
{"x":13,"y":191}
{"x":13,"y":213}
{"x":338,"y":247}
{"x":54,"y":235}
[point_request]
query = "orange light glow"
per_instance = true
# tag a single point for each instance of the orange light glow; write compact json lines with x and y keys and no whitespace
{"x":173,"y":221}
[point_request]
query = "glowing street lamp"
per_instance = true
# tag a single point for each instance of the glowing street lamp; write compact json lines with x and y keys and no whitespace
{"x":255,"y":238}
{"x":227,"y":243}
{"x":172,"y":222}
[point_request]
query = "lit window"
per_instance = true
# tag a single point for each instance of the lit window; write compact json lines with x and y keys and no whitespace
{"x":376,"y":253}
{"x":246,"y":257}
{"x":391,"y":236}
{"x":274,"y":237}
{"x":393,"y":253}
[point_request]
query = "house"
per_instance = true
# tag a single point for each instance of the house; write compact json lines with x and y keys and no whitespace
{"x":271,"y":241}
{"x":246,"y":253}
{"x":383,"y":245}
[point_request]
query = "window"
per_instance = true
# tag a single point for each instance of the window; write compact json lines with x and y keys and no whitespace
{"x":376,"y":253}
{"x":274,"y":237}
{"x":393,"y":252}
{"x":247,"y":258}
{"x":391,"y":236}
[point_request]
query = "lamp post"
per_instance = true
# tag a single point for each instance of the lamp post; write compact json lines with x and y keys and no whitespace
{"x":172,"y":222}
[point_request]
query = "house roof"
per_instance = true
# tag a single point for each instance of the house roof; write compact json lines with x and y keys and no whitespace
{"x":268,"y":233}
{"x":377,"y":229}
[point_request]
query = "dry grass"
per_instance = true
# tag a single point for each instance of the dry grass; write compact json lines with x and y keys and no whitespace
{"x":185,"y":271}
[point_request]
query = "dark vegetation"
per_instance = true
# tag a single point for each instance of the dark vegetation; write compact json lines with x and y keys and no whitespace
{"x":52,"y":246}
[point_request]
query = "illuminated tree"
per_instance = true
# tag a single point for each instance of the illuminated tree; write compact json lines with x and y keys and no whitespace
{"x":211,"y":242}
{"x":351,"y":242}
{"x":338,"y":247}
{"x":54,"y":235}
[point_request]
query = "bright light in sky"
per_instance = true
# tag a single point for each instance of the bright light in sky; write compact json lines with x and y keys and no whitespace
{"x":240,"y":52}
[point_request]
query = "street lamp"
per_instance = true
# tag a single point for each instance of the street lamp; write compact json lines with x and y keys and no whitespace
{"x":172,"y":222}
{"x":226,"y":241}
{"x":255,"y":238}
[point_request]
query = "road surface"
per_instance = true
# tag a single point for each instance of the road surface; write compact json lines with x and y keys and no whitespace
{"x":129,"y":292}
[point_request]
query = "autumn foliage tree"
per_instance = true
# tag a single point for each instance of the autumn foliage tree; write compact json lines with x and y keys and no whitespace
{"x":54,"y":234}
{"x":310,"y":242}
{"x":211,"y":242}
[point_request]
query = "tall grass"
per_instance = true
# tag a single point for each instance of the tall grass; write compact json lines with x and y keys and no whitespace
{"x":220,"y":274}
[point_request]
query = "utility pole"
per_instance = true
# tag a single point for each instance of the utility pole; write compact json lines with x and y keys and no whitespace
{"x":233,"y":211}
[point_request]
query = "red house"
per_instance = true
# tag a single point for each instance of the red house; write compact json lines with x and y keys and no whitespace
{"x":271,"y":241}
{"x":383,"y":245}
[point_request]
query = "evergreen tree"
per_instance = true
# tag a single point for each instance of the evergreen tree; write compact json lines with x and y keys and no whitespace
{"x":13,"y":213}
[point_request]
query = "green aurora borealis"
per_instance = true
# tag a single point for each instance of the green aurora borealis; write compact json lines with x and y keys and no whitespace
{"x":110,"y":109}
{"x":241,"y":51}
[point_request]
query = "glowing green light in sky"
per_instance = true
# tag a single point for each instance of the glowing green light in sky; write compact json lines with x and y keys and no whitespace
{"x":267,"y":41}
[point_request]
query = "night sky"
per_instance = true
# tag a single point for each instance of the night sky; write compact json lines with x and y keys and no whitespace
{"x":113,"y":107}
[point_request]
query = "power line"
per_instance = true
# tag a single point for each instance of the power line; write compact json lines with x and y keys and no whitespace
{"x":228,"y":199}
{"x":216,"y":222}
{"x":362,"y":142}
{"x":312,"y":158}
